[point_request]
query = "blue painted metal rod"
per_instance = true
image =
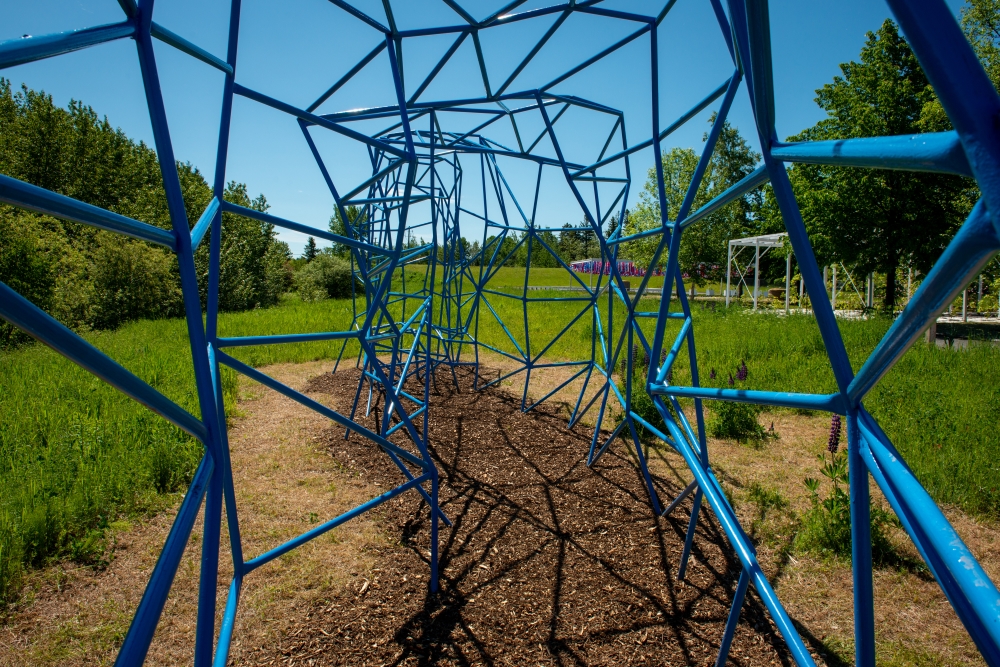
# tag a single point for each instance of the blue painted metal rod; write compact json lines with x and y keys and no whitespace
{"x":652,"y":429}
{"x":347,"y":77}
{"x":675,"y":349}
{"x":298,"y":397}
{"x":181,"y":44}
{"x":825,"y":402}
{"x":140,"y":632}
{"x":379,"y":175}
{"x":744,"y":551}
{"x":315,"y":120}
{"x":691,"y":113}
{"x":566,"y":382}
{"x":613,"y":13}
{"x":961,"y":84}
{"x":939,"y":152}
{"x":40,"y":325}
{"x":228,"y":622}
{"x":974,"y":244}
{"x":755,"y":179}
{"x":733,"y":620}
{"x":333,"y":523}
{"x":358,"y":14}
{"x":971,"y":592}
{"x":204,"y":222}
{"x":29,"y":49}
{"x":303,"y":229}
{"x":25,"y":195}
{"x":680,"y":496}
{"x":628,"y":39}
{"x":384,"y":200}
{"x":244,"y":341}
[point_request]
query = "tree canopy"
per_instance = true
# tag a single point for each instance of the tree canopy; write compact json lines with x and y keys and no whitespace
{"x":88,"y":278}
{"x":878,"y":220}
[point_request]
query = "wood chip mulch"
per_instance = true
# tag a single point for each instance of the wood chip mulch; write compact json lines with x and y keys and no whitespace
{"x":548,"y":562}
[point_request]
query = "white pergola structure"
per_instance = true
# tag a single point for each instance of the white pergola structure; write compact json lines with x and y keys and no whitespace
{"x":767,"y":241}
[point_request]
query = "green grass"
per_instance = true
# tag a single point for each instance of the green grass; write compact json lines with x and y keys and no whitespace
{"x":77,"y":455}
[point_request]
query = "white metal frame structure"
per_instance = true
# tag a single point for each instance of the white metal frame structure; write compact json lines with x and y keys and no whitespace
{"x":766,"y":241}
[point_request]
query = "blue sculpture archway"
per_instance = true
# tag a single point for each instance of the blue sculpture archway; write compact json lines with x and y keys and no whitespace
{"x":410,"y":332}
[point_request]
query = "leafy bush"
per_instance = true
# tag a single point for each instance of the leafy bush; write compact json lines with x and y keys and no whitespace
{"x":133,"y":280}
{"x":736,"y":421}
{"x":325,"y":277}
{"x":826,"y":527}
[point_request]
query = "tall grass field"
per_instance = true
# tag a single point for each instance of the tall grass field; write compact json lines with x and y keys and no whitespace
{"x":77,"y":456}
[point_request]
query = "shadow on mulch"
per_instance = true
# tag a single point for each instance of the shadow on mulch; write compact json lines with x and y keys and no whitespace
{"x":548,"y":562}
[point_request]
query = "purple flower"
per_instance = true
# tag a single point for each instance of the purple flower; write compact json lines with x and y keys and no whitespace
{"x":731,"y":383}
{"x":711,"y":376}
{"x":670,"y":376}
{"x":834,"y":442}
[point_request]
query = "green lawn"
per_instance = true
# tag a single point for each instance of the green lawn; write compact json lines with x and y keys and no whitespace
{"x":77,"y":455}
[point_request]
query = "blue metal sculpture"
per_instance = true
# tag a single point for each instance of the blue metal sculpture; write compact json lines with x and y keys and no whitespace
{"x":406,"y":334}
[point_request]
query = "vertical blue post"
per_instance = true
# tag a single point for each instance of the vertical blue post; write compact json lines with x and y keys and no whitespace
{"x":861,"y":548}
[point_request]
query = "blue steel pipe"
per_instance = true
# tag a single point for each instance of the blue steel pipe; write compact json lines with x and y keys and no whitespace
{"x":254,"y":374}
{"x":32,"y":197}
{"x":40,"y":325}
{"x":737,"y":538}
{"x":939,"y":152}
{"x":29,"y":49}
{"x":825,"y":402}
{"x":267,"y":557}
{"x":140,"y":632}
{"x":969,"y":589}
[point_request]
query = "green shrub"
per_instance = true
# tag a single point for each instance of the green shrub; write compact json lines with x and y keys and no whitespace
{"x":736,"y":421}
{"x":25,"y":270}
{"x":133,"y":281}
{"x":826,"y":526}
{"x":325,"y":277}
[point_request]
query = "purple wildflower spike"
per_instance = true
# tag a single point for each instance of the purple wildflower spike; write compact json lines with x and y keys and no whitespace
{"x":711,"y":376}
{"x":731,"y":383}
{"x":834,"y":443}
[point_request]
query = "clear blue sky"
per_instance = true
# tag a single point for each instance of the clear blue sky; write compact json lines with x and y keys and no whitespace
{"x":296,"y":50}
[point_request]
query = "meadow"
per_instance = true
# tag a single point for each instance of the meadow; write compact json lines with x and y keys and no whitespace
{"x":77,"y":456}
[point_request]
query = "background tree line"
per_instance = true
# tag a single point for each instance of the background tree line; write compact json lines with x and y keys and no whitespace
{"x":92,"y":279}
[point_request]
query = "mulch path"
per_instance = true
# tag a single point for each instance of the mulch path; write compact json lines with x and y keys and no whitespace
{"x":548,"y":562}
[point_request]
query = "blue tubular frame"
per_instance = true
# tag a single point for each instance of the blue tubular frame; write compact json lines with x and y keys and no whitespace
{"x":408,"y":324}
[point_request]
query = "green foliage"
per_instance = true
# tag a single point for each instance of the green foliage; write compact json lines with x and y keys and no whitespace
{"x":310,"y":251}
{"x":736,"y":421}
{"x":25,"y":270}
{"x":132,"y":281}
{"x":90,"y":279}
{"x":826,"y":527}
{"x":326,"y":277}
{"x":252,"y":271}
{"x":642,"y":405}
{"x":767,"y":499}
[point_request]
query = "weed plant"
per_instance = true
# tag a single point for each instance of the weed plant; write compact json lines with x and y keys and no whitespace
{"x":826,"y":526}
{"x":737,"y":421}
